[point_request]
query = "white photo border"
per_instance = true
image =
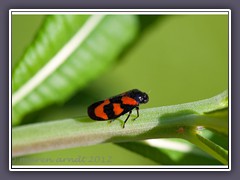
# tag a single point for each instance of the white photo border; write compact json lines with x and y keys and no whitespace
{"x":119,"y":11}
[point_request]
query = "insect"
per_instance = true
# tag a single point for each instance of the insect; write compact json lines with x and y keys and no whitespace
{"x":114,"y":107}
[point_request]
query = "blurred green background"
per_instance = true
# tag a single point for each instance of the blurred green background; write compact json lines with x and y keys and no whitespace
{"x":177,"y":59}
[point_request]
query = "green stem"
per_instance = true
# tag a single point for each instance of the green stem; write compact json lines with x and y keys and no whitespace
{"x":161,"y":122}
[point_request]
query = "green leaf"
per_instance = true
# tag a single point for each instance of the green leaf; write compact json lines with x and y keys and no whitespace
{"x":210,"y":147}
{"x":67,"y":52}
{"x":178,"y":121}
{"x":167,"y":156}
{"x":216,"y":137}
{"x":147,"y":151}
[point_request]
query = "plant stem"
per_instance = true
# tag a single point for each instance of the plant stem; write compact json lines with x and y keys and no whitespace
{"x":161,"y":122}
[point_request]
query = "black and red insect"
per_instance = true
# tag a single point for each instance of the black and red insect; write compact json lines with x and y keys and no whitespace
{"x":116,"y":106}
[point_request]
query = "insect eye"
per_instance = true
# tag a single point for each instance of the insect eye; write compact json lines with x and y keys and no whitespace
{"x":145,"y":98}
{"x":141,"y":99}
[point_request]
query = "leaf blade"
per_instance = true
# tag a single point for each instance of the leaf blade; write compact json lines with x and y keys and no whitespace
{"x":167,"y":156}
{"x":207,"y":145}
{"x":92,"y":49}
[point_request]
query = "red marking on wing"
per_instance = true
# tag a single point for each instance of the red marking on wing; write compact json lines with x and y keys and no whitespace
{"x":129,"y":101}
{"x":99,"y":110}
{"x":117,"y":109}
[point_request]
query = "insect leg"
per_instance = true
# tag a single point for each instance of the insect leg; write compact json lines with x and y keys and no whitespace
{"x":127,"y":118}
{"x":137,"y":108}
{"x":111,"y":120}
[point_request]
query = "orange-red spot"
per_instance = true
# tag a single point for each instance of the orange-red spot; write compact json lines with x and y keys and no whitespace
{"x":99,"y":111}
{"x":129,"y":101}
{"x":180,"y":130}
{"x":117,"y":109}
